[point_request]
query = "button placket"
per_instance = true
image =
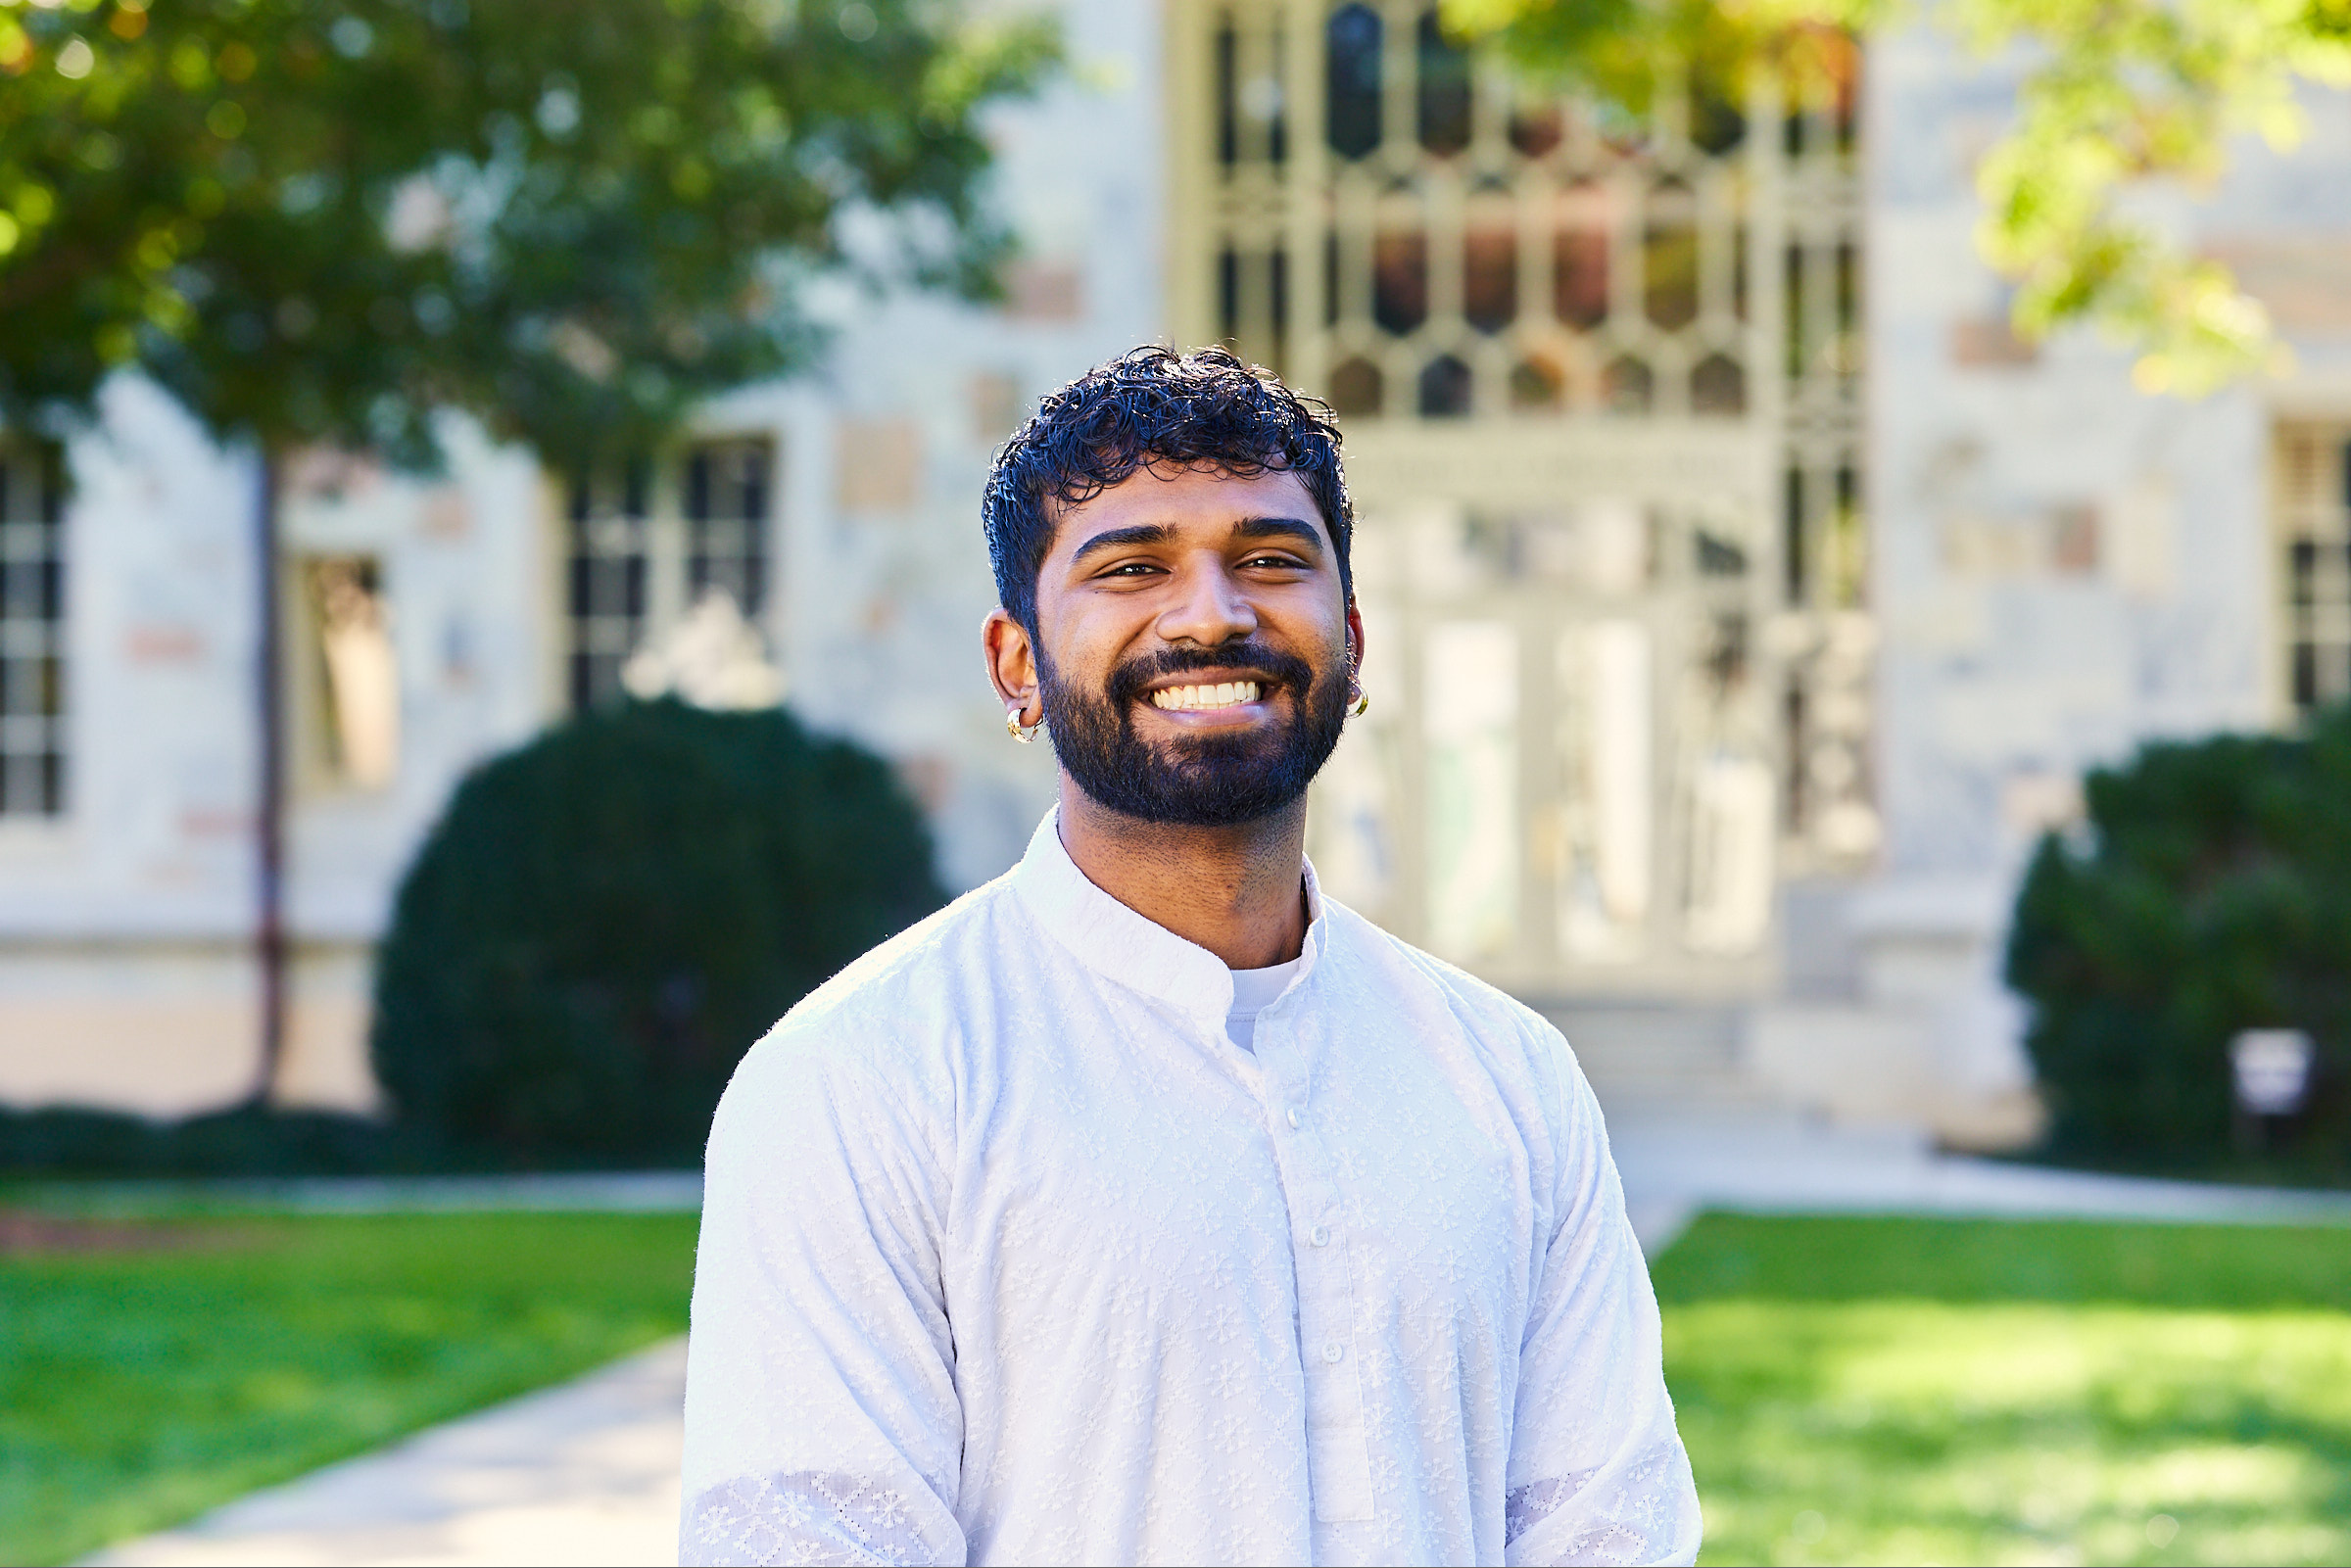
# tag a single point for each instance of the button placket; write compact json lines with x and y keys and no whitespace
{"x":1337,"y":1439}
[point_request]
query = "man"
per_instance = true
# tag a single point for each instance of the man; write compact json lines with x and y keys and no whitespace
{"x":1145,"y":1206}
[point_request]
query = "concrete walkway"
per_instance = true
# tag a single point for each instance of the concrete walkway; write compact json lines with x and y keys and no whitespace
{"x":589,"y":1473}
{"x":586,"y":1473}
{"x":622,"y":1192}
{"x":1676,"y":1163}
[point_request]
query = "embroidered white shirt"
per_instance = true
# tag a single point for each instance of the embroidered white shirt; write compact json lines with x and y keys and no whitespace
{"x":1010,"y":1254}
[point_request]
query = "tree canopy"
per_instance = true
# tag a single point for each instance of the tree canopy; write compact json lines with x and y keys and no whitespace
{"x":2114,"y":92}
{"x":318,"y":223}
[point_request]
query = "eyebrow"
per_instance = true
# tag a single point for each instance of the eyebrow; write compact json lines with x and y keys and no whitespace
{"x":1278,"y":528}
{"x":1248,"y":528}
{"x":1118,"y":537}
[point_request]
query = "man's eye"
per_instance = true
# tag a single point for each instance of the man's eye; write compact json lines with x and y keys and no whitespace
{"x":1284,"y":563}
{"x":1130,"y":569}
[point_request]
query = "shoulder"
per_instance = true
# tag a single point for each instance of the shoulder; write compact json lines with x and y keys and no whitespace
{"x":886,"y":1027}
{"x":1475,"y":1001}
{"x":921,"y":962}
{"x":1513,"y":1037}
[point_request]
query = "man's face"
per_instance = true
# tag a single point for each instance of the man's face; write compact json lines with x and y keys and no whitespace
{"x":1193,"y":654}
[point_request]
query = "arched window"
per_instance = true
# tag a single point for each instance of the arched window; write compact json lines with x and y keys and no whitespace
{"x":1536,"y":383}
{"x":1627,"y":386}
{"x":1444,"y":89}
{"x":1355,"y":386}
{"x":1490,"y":278}
{"x":1445,"y":389}
{"x":1400,"y":281}
{"x":1352,"y":89}
{"x":1718,"y":386}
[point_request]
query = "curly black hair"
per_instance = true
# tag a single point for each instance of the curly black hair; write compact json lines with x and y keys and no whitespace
{"x":1153,"y":408}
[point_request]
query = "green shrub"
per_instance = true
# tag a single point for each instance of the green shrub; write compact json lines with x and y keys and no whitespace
{"x":2209,"y":893}
{"x":243,"y":1141}
{"x":605,"y":919}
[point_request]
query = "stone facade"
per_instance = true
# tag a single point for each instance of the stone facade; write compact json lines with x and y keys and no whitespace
{"x":2062,"y":568}
{"x":2058,"y":567}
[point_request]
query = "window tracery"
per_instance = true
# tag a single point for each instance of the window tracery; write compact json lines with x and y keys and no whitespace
{"x":1599,"y":380}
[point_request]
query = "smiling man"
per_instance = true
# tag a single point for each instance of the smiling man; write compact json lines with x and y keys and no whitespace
{"x":1145,"y":1205}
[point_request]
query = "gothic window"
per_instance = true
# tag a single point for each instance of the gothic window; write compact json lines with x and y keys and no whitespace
{"x":1580,"y":277}
{"x":32,"y":631}
{"x":1718,"y":386}
{"x":1826,"y":690}
{"x":1354,"y":387}
{"x":1490,"y":278}
{"x":1599,"y":379}
{"x":1455,"y":218}
{"x":1351,"y":95}
{"x":1444,"y":89}
{"x":1445,"y":388}
{"x":1400,"y":281}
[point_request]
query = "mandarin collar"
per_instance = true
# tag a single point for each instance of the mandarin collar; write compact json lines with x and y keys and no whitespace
{"x":1140,"y":954}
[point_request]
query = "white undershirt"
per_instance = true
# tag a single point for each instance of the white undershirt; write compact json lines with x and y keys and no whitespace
{"x":1253,"y":991}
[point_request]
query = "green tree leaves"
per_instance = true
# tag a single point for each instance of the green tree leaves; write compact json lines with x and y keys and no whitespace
{"x":2117,"y":92}
{"x":321,"y":221}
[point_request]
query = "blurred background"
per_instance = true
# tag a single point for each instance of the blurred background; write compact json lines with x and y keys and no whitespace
{"x":1855,"y":540}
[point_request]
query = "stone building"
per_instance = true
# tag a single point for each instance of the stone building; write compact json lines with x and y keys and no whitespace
{"x":1743,"y":598}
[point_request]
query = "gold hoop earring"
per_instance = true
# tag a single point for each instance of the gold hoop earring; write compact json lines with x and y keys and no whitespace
{"x":1026,"y":734}
{"x":1360,"y":706}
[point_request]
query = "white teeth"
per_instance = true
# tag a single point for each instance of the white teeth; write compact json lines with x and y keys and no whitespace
{"x":1225,"y":695}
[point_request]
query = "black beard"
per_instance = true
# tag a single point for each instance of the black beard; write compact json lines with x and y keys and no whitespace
{"x":1205,"y":781}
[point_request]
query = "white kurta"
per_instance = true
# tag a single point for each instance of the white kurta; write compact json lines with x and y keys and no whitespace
{"x":1010,"y":1254}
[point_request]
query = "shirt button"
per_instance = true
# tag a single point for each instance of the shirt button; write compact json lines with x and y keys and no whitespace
{"x":1319,"y":1235}
{"x":1334,"y":1352}
{"x":1293,"y":1115}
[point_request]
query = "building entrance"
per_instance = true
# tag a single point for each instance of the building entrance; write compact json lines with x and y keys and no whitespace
{"x":1599,"y":380}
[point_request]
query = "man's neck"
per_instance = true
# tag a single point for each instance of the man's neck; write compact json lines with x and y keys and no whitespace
{"x":1241,"y":892}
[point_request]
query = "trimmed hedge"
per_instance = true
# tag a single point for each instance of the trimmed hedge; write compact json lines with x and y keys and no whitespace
{"x":606,"y":919}
{"x":2209,"y":893}
{"x":247,"y":1141}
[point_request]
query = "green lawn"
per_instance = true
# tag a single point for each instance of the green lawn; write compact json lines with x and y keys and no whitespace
{"x":140,"y":1388}
{"x":1852,"y":1389}
{"x":1884,"y":1391}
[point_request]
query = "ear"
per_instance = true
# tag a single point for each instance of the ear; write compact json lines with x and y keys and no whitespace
{"x":1355,"y":642}
{"x":1011,"y":664}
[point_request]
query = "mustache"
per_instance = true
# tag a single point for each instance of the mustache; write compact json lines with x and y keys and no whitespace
{"x":1132,"y":680}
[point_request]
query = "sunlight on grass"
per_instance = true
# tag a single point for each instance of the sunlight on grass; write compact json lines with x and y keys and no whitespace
{"x":139,"y":1388}
{"x":1841,"y":1406}
{"x":1852,"y":1389}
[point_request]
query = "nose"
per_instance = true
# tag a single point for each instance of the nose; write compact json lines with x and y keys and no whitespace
{"x":1209,"y":609}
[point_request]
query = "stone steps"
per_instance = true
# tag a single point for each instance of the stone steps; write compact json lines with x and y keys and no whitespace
{"x":1656,"y":1053}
